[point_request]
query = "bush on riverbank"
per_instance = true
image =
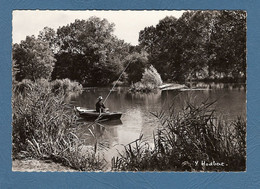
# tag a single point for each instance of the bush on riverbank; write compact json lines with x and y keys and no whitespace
{"x":65,"y":85}
{"x":150,"y":81}
{"x":43,"y":127}
{"x":141,"y":87}
{"x":187,"y":139}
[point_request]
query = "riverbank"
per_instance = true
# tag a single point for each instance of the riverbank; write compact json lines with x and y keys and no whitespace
{"x":192,"y":139}
{"x":33,"y":165}
{"x":137,"y":119}
{"x":44,"y":126}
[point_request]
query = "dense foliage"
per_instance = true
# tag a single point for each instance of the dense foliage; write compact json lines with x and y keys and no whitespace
{"x":43,"y":126}
{"x":151,"y":75}
{"x":33,"y":59}
{"x":198,"y":45}
{"x":89,"y":53}
{"x":137,"y":64}
{"x":150,"y":81}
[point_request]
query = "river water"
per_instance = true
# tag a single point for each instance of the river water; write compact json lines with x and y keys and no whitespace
{"x":137,"y":107}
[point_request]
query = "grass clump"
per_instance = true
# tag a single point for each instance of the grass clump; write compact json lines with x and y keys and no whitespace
{"x":65,"y":85}
{"x":193,"y":139}
{"x":141,"y":87}
{"x":43,"y":127}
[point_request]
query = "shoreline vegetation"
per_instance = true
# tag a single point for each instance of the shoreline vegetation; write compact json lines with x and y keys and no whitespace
{"x":199,"y":46}
{"x":43,"y":125}
{"x":192,"y":139}
{"x":43,"y":130}
{"x":151,"y":80}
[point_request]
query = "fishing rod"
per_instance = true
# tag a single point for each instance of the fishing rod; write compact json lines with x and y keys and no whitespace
{"x":116,"y":82}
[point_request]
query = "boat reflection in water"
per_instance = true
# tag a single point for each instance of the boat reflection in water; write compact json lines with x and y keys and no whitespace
{"x":137,"y":107}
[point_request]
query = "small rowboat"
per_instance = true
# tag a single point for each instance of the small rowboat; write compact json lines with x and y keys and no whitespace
{"x":91,"y":114}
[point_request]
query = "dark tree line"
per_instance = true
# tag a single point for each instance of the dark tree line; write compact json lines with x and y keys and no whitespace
{"x":85,"y":51}
{"x":198,"y":45}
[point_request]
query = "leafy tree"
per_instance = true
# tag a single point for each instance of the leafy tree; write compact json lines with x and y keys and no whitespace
{"x":89,"y":52}
{"x":163,"y":47}
{"x":148,"y":39}
{"x":195,"y":30}
{"x":198,"y":45}
{"x":151,"y":75}
{"x":49,"y":35}
{"x":229,"y":44}
{"x":32,"y":59}
{"x":137,"y":64}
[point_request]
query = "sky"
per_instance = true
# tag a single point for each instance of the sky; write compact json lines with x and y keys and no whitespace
{"x":127,"y":23}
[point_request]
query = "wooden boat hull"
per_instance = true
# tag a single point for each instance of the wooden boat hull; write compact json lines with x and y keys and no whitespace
{"x":93,"y":115}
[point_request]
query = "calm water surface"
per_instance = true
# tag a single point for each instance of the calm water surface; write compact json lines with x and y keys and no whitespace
{"x":137,"y":118}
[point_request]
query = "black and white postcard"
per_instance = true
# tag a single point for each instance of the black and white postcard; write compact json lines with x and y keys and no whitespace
{"x":127,"y":90}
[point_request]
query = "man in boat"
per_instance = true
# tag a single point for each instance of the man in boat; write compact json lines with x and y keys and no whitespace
{"x":100,"y":107}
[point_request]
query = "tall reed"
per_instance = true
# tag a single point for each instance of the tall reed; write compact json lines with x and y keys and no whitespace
{"x":43,"y":127}
{"x":193,"y":139}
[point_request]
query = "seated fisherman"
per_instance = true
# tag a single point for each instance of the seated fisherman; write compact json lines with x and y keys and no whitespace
{"x":100,"y":107}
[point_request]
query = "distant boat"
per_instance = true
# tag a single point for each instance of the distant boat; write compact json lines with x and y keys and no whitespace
{"x":91,"y":114}
{"x":172,"y":86}
{"x":194,"y":89}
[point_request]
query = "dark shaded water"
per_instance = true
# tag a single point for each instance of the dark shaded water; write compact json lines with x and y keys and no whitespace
{"x":137,"y":118}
